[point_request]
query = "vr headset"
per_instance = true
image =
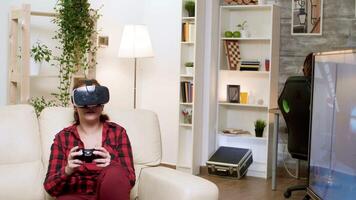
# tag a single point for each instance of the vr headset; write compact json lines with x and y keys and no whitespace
{"x":90,"y":95}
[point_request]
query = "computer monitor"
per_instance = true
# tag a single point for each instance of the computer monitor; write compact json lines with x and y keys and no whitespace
{"x":332,"y":150}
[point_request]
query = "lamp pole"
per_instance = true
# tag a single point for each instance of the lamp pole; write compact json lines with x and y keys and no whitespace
{"x":135,"y":85}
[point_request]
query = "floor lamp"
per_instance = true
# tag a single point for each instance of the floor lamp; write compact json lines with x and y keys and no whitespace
{"x":135,"y":43}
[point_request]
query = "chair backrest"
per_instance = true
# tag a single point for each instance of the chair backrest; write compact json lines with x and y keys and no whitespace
{"x":294,"y":103}
{"x":142,"y":127}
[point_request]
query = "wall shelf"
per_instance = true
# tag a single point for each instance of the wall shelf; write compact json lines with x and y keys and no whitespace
{"x":263,"y":22}
{"x":190,"y":89}
{"x":247,"y":39}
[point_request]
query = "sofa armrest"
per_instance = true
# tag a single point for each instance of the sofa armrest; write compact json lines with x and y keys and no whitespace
{"x":166,"y":183}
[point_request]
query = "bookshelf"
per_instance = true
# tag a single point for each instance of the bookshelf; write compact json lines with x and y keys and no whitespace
{"x":190,"y":89}
{"x":26,"y":27}
{"x":261,"y":44}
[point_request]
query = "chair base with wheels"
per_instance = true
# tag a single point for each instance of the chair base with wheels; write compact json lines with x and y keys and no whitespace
{"x":289,"y":190}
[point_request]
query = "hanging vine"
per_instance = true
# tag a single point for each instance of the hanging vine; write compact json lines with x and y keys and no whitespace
{"x":76,"y":23}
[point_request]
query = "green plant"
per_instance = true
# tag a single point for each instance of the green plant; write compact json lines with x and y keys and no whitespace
{"x":40,"y":52}
{"x":260,"y":124}
{"x":189,"y":64}
{"x":76,"y":23}
{"x":39,"y":103}
{"x":242,"y":26}
{"x":190,"y":7}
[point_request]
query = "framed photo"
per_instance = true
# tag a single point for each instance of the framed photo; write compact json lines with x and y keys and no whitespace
{"x":233,"y":93}
{"x":307,"y":17}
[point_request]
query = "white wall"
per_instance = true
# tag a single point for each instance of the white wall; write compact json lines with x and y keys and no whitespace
{"x":3,"y":51}
{"x":158,"y":77}
{"x":210,"y":80}
{"x":114,"y":72}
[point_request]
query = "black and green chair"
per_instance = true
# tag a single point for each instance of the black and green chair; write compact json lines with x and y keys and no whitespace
{"x":294,"y":103}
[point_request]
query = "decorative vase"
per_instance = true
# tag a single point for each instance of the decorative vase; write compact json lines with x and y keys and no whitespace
{"x":244,"y":33}
{"x":189,"y":70}
{"x":191,"y":13}
{"x":188,"y":119}
{"x":259,"y":132}
{"x":35,"y":68}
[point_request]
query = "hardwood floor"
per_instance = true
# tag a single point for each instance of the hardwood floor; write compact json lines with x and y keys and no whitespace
{"x":251,"y":188}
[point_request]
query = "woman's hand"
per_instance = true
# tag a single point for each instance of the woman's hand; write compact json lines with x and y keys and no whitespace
{"x":105,"y":157}
{"x":73,"y":164}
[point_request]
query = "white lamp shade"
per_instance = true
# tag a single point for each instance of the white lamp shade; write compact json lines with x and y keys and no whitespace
{"x":135,"y":42}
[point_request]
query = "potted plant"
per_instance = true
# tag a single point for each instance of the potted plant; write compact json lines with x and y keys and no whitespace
{"x":243,"y":29}
{"x":259,"y":127}
{"x":190,"y":8}
{"x":76,"y":23}
{"x":39,"y":103}
{"x":39,"y":54}
{"x":187,"y":115}
{"x":189,"y":70}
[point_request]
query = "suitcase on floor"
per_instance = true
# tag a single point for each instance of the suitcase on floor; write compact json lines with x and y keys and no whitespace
{"x":230,"y":162}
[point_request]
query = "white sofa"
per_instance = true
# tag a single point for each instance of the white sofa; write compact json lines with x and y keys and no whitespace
{"x":25,"y":146}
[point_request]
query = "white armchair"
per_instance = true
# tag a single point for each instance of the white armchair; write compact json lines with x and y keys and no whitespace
{"x":25,"y":148}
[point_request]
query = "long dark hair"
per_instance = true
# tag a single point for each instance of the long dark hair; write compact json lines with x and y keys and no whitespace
{"x":81,"y":82}
{"x":308,"y":64}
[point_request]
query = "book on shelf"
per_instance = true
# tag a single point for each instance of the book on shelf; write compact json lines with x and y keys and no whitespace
{"x":188,"y":32}
{"x":249,"y":67}
{"x":191,"y":28}
{"x":187,"y":91}
{"x":250,"y":62}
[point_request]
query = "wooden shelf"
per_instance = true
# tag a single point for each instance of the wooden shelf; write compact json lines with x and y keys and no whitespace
{"x":224,"y":103}
{"x":185,"y":125}
{"x":245,"y":7}
{"x":246,"y":72}
{"x":187,"y":43}
{"x":44,"y":76}
{"x":248,"y":38}
{"x":186,"y":76}
{"x":242,"y":136}
{"x":188,"y":18}
{"x":186,"y":104}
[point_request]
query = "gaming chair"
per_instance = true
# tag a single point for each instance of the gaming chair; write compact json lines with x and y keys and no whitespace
{"x":294,"y":103}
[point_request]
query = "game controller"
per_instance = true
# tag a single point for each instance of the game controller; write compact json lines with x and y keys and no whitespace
{"x":87,"y":155}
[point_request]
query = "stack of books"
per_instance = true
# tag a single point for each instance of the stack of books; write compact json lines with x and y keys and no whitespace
{"x":187,"y":91}
{"x":188,"y":32}
{"x":250,"y":65}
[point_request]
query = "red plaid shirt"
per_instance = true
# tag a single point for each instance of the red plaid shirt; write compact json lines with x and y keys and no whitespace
{"x":83,"y":180}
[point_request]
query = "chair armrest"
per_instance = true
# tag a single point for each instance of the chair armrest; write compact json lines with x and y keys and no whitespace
{"x":166,"y":183}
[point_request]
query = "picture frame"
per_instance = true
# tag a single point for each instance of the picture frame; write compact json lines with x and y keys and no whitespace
{"x":233,"y":93}
{"x":307,"y":17}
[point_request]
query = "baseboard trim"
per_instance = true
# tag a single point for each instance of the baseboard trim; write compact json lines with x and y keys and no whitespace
{"x":203,"y":170}
{"x":168,"y":165}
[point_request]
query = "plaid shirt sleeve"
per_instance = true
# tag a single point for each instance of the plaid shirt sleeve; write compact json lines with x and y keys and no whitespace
{"x":56,"y":178}
{"x":125,"y":154}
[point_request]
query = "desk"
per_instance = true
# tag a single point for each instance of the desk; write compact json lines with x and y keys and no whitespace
{"x":276,"y":113}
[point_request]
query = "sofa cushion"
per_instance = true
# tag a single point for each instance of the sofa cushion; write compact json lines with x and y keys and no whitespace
{"x":142,"y":127}
{"x":21,"y":170}
{"x":134,"y":190}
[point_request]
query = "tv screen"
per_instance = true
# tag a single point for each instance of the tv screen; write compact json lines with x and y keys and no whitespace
{"x":332,"y":173}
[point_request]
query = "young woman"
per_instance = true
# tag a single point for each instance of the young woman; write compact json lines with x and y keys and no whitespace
{"x":308,"y":64}
{"x":109,"y":177}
